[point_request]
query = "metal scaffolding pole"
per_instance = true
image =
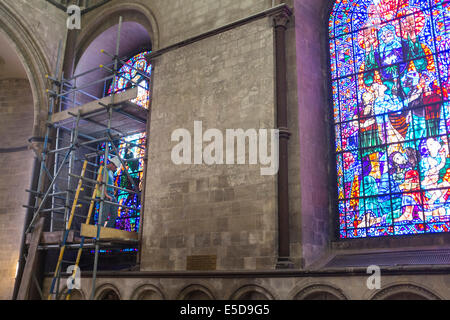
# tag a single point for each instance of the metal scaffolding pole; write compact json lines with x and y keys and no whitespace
{"x":105,"y":162}
{"x":42,"y":202}
{"x":54,"y":197}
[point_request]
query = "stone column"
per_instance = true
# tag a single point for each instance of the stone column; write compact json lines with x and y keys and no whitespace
{"x":280,"y":25}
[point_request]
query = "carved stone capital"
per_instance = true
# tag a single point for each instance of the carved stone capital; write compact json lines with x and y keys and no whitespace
{"x":281,"y":19}
{"x":37,"y":147}
{"x":36,"y":144}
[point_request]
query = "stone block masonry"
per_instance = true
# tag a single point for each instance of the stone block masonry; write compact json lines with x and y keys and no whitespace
{"x":16,"y":123}
{"x":227,"y":82}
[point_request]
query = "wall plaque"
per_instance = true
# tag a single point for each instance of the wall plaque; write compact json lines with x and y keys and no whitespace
{"x":202,"y":263}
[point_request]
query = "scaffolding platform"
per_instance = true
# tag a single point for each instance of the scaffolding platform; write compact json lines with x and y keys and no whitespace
{"x":52,"y":238}
{"x":108,"y":234}
{"x":109,"y":237}
{"x":127,"y":117}
{"x":82,"y":131}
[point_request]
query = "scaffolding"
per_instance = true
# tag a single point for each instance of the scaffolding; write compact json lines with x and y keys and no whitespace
{"x":80,"y":123}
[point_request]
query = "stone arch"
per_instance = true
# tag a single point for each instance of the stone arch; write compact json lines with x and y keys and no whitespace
{"x":76,"y":294}
{"x":104,"y":290}
{"x":139,"y":33}
{"x":252,"y":292}
{"x":405,"y":292}
{"x":131,"y":12}
{"x":148,"y":292}
{"x":319,"y":292}
{"x":196,"y":292}
{"x":33,"y":59}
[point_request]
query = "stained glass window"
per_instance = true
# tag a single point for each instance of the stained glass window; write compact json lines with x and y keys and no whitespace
{"x":133,"y":73}
{"x":390,"y":82}
{"x":132,"y":149}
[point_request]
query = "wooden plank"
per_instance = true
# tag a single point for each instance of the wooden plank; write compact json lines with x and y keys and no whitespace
{"x":90,"y":231}
{"x":49,"y":238}
{"x":94,"y":106}
{"x":30,"y":265}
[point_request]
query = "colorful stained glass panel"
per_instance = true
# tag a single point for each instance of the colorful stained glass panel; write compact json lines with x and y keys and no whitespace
{"x":391,"y":72}
{"x":134,"y":73}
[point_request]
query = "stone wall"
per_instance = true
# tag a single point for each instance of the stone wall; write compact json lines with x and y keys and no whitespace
{"x":179,"y":20}
{"x":227,"y":82}
{"x":313,"y":109}
{"x":175,"y":21}
{"x":45,"y":22}
{"x":346,"y":286}
{"x":35,"y":29}
{"x":16,"y":123}
{"x":307,"y":111}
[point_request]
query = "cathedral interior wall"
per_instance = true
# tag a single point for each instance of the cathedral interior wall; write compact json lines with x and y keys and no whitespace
{"x":226,"y":82}
{"x":311,"y":227}
{"x":22,"y":113}
{"x":342,"y":287}
{"x":16,"y":123}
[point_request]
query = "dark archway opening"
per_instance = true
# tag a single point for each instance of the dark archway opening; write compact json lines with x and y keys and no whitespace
{"x":110,"y":295}
{"x":405,"y":296}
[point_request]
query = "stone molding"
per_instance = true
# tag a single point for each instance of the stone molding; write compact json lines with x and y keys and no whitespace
{"x":147,"y":288}
{"x":404,"y":288}
{"x":320,"y":288}
{"x":89,"y":32}
{"x":193,"y":288}
{"x":251,"y":288}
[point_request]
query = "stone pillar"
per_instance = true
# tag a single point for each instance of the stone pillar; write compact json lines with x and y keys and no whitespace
{"x":280,"y":25}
